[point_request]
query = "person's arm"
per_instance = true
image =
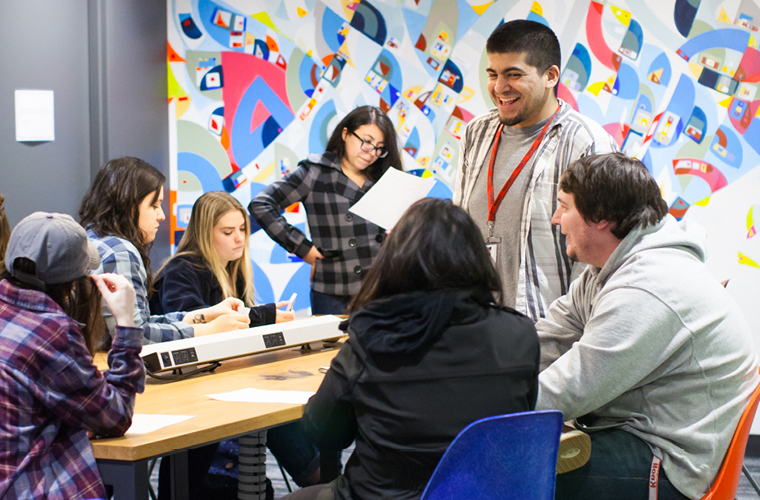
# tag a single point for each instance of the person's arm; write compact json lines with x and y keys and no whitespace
{"x":180,"y":287}
{"x":329,"y":420}
{"x":263,"y":315}
{"x":156,"y":328}
{"x":180,"y":290}
{"x":563,"y":324}
{"x":265,"y":209}
{"x":619,"y":348}
{"x":462,"y":168}
{"x":73,"y":388}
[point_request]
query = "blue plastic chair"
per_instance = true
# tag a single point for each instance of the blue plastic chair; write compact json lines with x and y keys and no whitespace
{"x":502,"y":457}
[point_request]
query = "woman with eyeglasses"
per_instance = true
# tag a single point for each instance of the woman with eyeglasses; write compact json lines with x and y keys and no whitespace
{"x":343,"y":245}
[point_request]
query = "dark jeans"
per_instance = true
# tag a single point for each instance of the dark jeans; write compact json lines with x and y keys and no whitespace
{"x":324,"y":303}
{"x":287,"y":443}
{"x":619,"y":468}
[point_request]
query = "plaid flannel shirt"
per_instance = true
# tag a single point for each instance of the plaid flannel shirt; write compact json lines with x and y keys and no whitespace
{"x":51,"y":393}
{"x":119,"y":256}
{"x":545,"y":269}
{"x":348,"y":242}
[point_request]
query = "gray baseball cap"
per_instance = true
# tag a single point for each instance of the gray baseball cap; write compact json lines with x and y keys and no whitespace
{"x":57,"y":245}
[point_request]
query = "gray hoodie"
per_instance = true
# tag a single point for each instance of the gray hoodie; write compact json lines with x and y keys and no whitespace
{"x":653,"y":344}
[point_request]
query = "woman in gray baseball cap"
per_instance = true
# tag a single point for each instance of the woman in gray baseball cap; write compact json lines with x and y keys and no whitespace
{"x":51,"y":393}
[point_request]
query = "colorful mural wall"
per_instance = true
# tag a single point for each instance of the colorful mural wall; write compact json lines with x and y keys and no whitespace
{"x":255,"y":86}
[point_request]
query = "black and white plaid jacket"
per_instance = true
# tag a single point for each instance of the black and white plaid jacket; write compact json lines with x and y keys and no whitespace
{"x":348,"y":242}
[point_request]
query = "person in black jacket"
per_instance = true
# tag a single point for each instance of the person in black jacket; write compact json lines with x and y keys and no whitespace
{"x":430,"y":350}
{"x":212,"y":263}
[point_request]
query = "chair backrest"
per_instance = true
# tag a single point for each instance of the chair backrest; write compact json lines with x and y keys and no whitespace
{"x":727,"y":481}
{"x":502,"y":457}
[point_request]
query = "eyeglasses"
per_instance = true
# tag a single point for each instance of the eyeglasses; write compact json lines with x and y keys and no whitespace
{"x":367,"y":147}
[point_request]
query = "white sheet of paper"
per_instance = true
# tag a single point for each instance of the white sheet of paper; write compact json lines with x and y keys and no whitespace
{"x":35,"y":115}
{"x":143,"y":423}
{"x":252,"y":395}
{"x":389,"y":198}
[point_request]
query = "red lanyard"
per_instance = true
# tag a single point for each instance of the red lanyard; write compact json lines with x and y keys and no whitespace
{"x":493,"y":205}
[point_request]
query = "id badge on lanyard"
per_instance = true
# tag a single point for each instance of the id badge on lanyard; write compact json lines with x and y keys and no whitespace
{"x":493,"y":242}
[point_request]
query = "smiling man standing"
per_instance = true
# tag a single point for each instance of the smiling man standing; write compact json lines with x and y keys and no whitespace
{"x":512,"y":159}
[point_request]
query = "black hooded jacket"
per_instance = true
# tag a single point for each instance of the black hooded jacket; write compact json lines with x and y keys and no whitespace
{"x":418,"y":368}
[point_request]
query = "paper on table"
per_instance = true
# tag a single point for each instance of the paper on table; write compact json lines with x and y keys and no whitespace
{"x":389,"y":198}
{"x":143,"y":423}
{"x":251,"y":395}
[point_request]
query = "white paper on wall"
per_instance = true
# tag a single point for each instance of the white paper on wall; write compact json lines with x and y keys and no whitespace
{"x":35,"y":115}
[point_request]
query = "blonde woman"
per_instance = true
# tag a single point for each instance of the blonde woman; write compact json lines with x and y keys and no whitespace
{"x":213,"y":263}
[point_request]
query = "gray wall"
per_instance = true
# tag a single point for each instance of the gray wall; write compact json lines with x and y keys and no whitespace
{"x":43,"y":46}
{"x":106,"y":63}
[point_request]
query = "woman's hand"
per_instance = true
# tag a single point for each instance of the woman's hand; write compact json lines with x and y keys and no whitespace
{"x":119,"y":295}
{"x":224,"y":323}
{"x":311,"y":258}
{"x":283,"y":316}
{"x":230,"y":305}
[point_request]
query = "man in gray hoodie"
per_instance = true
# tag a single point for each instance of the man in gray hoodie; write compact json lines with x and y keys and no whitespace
{"x":646,"y":351}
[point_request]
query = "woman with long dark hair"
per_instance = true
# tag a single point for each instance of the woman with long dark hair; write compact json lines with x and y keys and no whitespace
{"x":343,"y":246}
{"x":51,"y":393}
{"x":430,"y":350}
{"x":121,"y":212}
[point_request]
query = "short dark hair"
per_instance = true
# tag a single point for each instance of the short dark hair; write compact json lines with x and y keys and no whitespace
{"x":538,"y":41}
{"x":436,"y":245}
{"x":614,"y":188}
{"x":364,"y":115}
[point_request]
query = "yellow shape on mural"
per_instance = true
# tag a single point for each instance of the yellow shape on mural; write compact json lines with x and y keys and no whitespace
{"x":349,"y":8}
{"x":752,"y":42}
{"x":696,"y":69}
{"x":412,"y":92}
{"x":750,"y":218}
{"x":175,"y":89}
{"x":725,"y":102}
{"x":479,"y":9}
{"x":427,"y":173}
{"x":265,"y":172}
{"x":264,"y":19}
{"x":623,"y":16}
{"x":249,"y":39}
{"x":595,"y":88}
{"x":343,"y":51}
{"x":309,"y":52}
{"x":743,"y":259}
{"x":301,"y":12}
{"x":723,"y":16}
{"x":467,"y":93}
{"x":536,"y":9}
{"x":703,"y":202}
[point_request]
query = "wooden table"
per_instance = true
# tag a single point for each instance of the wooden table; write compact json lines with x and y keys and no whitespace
{"x":123,"y":462}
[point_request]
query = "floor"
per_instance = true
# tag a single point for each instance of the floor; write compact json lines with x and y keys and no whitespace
{"x":745,"y":491}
